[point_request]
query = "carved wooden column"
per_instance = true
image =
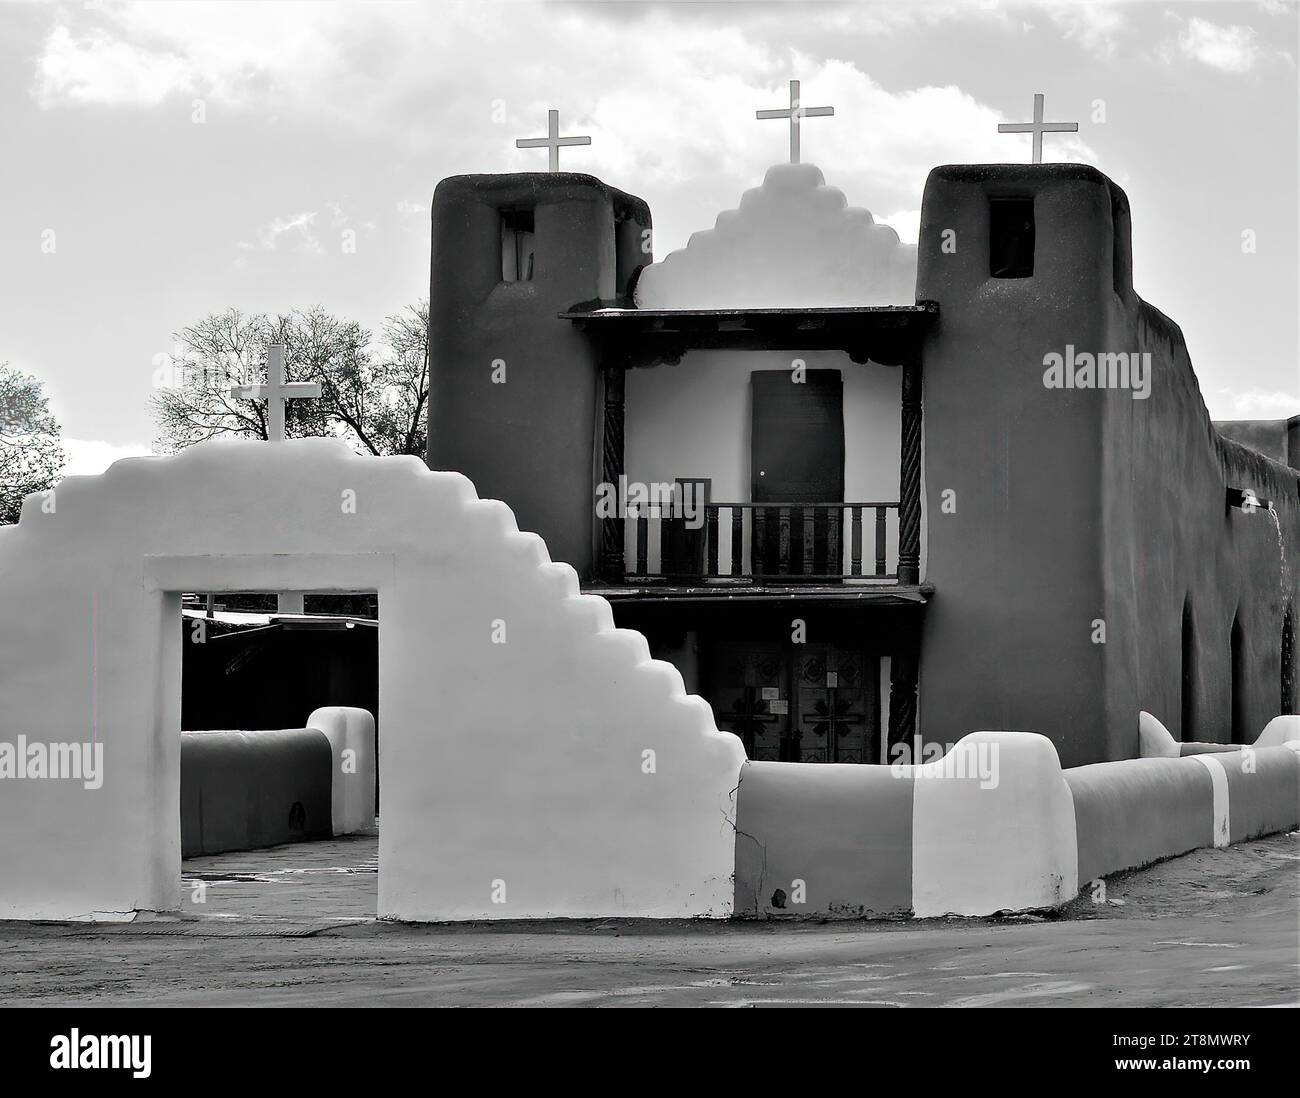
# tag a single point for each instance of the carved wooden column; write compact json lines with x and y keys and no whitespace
{"x":611,"y":532}
{"x":909,"y":477}
{"x":904,"y":662}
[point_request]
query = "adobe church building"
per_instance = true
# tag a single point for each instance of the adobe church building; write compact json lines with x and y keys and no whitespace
{"x":970,"y":495}
{"x":988,"y":499}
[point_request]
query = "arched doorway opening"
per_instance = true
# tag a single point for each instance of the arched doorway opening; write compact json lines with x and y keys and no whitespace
{"x":1187,"y":707}
{"x":1238,"y":709}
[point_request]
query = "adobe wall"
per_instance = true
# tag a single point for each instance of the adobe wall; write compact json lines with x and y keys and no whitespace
{"x":1137,"y":811}
{"x":1079,"y":506}
{"x":351,"y":735}
{"x":1172,"y":540}
{"x":995,"y":825}
{"x":1278,"y":439}
{"x":989,"y":827}
{"x":246,"y":790}
{"x":535,"y":761}
{"x":1017,"y":565}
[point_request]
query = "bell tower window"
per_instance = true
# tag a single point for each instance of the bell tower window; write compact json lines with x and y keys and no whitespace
{"x":517,"y":245}
{"x":1011,"y":237}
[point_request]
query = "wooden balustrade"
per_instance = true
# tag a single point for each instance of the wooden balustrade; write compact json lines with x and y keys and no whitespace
{"x":766,"y":543}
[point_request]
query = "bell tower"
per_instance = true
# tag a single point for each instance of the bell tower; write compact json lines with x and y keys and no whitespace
{"x":1024,"y":261}
{"x":513,"y":389}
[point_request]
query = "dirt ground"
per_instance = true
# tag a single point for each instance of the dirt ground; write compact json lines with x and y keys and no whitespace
{"x":294,"y":926}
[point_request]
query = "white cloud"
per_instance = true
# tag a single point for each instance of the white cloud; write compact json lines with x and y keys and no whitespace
{"x":1229,"y":49}
{"x":140,"y":52}
{"x":296,"y":230}
{"x":87,"y":457}
{"x":96,"y":68}
{"x":688,"y":115}
{"x":1095,"y":26}
{"x":1253,"y":403}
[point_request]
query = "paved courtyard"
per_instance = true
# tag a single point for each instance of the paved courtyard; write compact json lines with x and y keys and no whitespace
{"x":294,"y":926}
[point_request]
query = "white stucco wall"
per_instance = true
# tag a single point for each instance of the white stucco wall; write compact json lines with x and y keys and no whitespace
{"x":693,"y":420}
{"x":993,"y":828}
{"x":511,"y":772}
{"x":792,"y":242}
{"x":351,"y":733}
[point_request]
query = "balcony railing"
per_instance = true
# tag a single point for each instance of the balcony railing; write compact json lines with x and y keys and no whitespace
{"x":765,"y":543}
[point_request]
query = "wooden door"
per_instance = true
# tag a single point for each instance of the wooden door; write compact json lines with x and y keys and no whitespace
{"x":837,"y":713}
{"x":796,"y":456}
{"x":748,"y":688}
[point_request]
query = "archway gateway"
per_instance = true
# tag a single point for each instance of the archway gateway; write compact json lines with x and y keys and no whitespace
{"x":536,"y":762}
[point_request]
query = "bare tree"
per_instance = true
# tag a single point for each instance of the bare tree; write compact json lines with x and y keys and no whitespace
{"x":31,"y":455}
{"x":375,"y":396}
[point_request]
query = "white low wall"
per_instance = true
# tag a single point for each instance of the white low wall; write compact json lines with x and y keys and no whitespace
{"x":987,"y":828}
{"x":1279,"y":731}
{"x":351,"y":733}
{"x":992,"y":828}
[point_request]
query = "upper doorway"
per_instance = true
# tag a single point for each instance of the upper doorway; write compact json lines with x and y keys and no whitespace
{"x":796,"y":457}
{"x":797,"y":437}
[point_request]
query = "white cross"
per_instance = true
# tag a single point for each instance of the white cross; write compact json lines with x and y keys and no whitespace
{"x":552,"y":140}
{"x":795,"y":112}
{"x":276,"y":392}
{"x":1038,"y":127}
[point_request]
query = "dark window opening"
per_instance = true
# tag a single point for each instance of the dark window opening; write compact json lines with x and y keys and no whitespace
{"x":517,"y":235}
{"x":1011,"y":237}
{"x":1188,"y":708}
{"x":1240,"y":732}
{"x":1117,"y":244}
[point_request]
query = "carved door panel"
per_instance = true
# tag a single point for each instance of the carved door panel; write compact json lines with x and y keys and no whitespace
{"x":749,"y":691}
{"x":835,"y":705}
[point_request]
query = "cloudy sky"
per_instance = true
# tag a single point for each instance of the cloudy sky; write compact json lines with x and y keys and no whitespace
{"x":163,"y":160}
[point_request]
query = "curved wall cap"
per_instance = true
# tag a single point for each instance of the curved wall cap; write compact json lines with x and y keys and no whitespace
{"x":1154,"y":738}
{"x":993,"y":828}
{"x":1279,"y":731}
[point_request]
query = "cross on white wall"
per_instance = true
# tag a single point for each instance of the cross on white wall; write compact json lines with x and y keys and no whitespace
{"x":552,"y":140}
{"x":276,"y":392}
{"x":794,"y":113}
{"x":1038,"y":127}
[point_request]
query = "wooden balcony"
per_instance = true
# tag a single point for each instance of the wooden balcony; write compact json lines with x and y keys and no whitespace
{"x":763,"y":543}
